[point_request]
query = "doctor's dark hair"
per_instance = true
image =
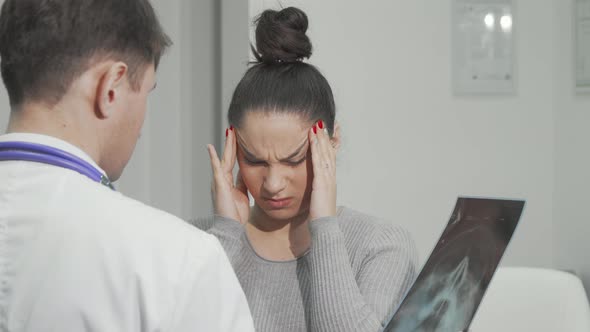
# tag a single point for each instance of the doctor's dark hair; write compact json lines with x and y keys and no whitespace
{"x":46,"y":44}
{"x":279,"y":81}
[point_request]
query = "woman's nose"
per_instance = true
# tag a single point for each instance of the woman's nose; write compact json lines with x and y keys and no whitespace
{"x":274,"y":181}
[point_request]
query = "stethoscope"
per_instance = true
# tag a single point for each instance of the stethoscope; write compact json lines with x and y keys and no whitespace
{"x":44,"y":154}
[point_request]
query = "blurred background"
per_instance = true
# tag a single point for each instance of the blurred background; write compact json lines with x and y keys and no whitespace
{"x":410,"y":146}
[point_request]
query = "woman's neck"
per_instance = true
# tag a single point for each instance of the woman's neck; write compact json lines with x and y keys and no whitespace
{"x":278,"y":240}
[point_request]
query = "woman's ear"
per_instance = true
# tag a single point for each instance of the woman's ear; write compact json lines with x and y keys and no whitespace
{"x":335,"y":140}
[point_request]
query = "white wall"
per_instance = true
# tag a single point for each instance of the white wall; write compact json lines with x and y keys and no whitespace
{"x":571,"y":215}
{"x":156,"y":170}
{"x":410,"y":147}
{"x":171,"y":168}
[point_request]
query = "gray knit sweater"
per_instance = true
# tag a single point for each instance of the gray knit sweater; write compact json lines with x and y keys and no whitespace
{"x":353,"y":277}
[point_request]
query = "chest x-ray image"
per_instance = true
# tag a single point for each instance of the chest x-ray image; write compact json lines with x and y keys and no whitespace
{"x":453,"y":281}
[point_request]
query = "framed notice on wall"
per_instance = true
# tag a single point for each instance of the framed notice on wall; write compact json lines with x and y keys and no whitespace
{"x":483,"y":52}
{"x":582,"y":45}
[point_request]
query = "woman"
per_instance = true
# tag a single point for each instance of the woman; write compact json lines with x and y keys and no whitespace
{"x":304,"y":264}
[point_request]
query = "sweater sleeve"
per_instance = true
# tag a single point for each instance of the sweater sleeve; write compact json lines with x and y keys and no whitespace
{"x":342,"y":300}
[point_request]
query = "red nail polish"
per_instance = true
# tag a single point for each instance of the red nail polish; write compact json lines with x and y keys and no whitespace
{"x":321,"y":124}
{"x":226,"y":132}
{"x":315,"y":129}
{"x":231,"y":128}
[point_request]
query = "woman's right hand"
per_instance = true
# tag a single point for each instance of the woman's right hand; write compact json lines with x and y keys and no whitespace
{"x":230,"y":199}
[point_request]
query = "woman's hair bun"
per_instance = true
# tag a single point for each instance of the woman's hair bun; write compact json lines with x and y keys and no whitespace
{"x":281,"y":36}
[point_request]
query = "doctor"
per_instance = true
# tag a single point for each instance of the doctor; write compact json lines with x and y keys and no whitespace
{"x":75,"y":255}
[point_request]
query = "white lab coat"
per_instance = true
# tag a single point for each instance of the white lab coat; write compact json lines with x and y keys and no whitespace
{"x":77,"y":256}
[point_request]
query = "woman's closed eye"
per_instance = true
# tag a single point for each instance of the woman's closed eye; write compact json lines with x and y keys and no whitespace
{"x":255,"y":162}
{"x":296,"y":162}
{"x":292,"y":163}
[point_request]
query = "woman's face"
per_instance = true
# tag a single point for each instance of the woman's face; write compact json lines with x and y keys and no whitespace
{"x":275,"y":162}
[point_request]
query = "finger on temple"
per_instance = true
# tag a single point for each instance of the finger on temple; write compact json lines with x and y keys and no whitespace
{"x":227,"y":157}
{"x":315,"y":152}
{"x":325,"y":146}
{"x":213,"y":156}
{"x":233,"y":147}
{"x":219,"y":182}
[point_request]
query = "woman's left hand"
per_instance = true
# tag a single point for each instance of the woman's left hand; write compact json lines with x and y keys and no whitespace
{"x":323,"y":155}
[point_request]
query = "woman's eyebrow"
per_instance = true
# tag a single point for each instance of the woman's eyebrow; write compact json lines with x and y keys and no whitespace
{"x":248,"y":154}
{"x":296,"y":153}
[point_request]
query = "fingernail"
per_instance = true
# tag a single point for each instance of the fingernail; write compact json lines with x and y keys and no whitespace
{"x":315,"y":129}
{"x":226,"y":132}
{"x":321,"y":124}
{"x":231,"y":128}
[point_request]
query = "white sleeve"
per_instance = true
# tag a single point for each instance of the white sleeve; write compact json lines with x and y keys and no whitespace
{"x":212,"y":298}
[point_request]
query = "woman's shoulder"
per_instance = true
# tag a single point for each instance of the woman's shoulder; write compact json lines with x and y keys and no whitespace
{"x":360,"y":226}
{"x":351,"y":219}
{"x":203,"y":223}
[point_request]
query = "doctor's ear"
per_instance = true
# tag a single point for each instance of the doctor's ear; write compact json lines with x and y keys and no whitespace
{"x":110,"y":86}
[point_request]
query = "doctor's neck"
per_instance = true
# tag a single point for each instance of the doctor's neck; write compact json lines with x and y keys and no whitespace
{"x":67,"y":120}
{"x":74,"y":117}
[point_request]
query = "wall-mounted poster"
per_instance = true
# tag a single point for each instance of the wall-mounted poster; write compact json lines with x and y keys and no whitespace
{"x":483,"y":52}
{"x":582,"y":45}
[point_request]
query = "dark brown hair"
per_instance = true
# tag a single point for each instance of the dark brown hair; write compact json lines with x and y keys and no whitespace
{"x":46,"y":44}
{"x":280,"y":81}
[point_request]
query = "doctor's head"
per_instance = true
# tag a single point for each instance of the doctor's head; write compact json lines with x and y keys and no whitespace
{"x":82,"y":69}
{"x":273,"y":108}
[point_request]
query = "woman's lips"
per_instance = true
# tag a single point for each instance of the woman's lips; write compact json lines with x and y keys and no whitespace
{"x":278,"y":203}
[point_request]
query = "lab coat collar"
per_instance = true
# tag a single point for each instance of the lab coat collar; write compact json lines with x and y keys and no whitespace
{"x":53,"y":142}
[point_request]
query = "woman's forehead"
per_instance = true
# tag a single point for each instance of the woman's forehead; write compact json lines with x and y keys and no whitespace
{"x":274,"y":126}
{"x":281,"y":133}
{"x":276,"y":119}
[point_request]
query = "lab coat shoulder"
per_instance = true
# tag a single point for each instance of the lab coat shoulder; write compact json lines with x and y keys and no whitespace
{"x":185,"y":270}
{"x":210,"y":291}
{"x":129,"y":227}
